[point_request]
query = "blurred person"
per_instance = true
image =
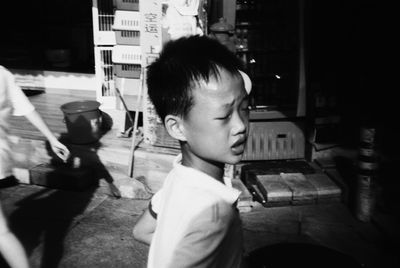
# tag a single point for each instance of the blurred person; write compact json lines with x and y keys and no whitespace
{"x":13,"y":101}
{"x":10,"y":247}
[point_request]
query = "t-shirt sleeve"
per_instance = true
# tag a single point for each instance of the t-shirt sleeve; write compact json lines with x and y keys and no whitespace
{"x":20,"y":102}
{"x":200,"y":246}
{"x":151,"y":211}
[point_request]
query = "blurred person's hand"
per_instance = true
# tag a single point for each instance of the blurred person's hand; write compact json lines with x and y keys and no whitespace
{"x":59,"y":149}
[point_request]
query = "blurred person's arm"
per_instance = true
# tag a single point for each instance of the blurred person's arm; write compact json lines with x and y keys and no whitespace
{"x":23,"y":107}
{"x":10,"y":247}
{"x":58,"y":148}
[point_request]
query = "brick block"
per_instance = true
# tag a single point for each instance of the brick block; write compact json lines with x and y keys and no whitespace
{"x":62,"y":177}
{"x":303,"y":191}
{"x":326,"y":188}
{"x":274,"y":188}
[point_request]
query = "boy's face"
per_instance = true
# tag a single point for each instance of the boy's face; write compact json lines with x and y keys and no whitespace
{"x":216,"y":125}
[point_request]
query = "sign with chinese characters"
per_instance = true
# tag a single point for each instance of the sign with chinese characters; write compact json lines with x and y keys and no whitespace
{"x":150,"y":37}
{"x":150,"y":41}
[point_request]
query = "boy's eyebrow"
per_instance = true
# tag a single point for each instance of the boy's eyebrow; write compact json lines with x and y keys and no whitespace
{"x":230,"y":104}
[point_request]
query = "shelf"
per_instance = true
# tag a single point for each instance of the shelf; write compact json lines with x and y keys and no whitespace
{"x":265,"y":51}
{"x":265,"y":114}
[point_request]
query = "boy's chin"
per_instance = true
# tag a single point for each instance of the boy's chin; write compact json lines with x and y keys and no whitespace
{"x":234,"y":159}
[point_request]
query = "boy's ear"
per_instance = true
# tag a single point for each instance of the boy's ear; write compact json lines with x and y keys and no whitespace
{"x":174,"y":126}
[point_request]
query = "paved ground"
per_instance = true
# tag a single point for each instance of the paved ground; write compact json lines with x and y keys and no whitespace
{"x":93,"y":229}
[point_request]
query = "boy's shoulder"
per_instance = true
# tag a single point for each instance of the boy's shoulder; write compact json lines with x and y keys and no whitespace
{"x":204,"y":206}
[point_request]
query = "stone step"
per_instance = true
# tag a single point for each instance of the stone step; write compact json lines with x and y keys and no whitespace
{"x":106,"y":165}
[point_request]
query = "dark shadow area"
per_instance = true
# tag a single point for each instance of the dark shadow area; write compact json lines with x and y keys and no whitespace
{"x":347,"y":169}
{"x":390,"y":185}
{"x":385,"y":185}
{"x":84,"y":158}
{"x":33,"y":92}
{"x":47,"y":35}
{"x":299,"y":255}
{"x":42,"y":220}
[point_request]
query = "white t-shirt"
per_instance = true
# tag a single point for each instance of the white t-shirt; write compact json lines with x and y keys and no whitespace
{"x":12,"y":101}
{"x":198,"y":223}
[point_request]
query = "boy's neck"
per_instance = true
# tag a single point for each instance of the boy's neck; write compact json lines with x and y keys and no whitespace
{"x":213,"y":169}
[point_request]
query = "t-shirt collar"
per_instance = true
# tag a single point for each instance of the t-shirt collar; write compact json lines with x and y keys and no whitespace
{"x":201,"y":180}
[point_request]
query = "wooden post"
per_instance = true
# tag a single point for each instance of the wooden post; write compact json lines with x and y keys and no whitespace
{"x":135,"y":126}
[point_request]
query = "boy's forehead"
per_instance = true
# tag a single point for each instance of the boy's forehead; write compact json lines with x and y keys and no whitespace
{"x":220,"y":83}
{"x":211,"y":85}
{"x":214,"y":89}
{"x":219,"y":92}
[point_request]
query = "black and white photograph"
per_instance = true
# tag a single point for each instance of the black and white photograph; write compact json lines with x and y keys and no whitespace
{"x":198,"y":133}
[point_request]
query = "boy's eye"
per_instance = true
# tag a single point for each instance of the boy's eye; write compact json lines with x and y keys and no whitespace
{"x":224,"y":117}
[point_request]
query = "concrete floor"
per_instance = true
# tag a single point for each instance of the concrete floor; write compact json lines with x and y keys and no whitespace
{"x":93,"y":229}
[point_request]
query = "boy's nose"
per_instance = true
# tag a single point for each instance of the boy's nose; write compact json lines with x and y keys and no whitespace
{"x":239,"y":125}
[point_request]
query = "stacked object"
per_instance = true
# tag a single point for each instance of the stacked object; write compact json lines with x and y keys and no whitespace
{"x":126,"y":54}
{"x":127,"y":61}
{"x":116,"y":23}
{"x":132,"y":5}
{"x":293,"y":182}
{"x":365,"y":197}
{"x":127,"y":27}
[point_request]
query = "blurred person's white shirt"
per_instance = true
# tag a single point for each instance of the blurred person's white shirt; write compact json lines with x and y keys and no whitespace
{"x":13,"y":101}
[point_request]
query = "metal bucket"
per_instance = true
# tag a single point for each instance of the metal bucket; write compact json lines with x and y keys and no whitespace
{"x":83,"y":120}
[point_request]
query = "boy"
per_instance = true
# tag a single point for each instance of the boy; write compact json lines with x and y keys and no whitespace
{"x":202,"y":97}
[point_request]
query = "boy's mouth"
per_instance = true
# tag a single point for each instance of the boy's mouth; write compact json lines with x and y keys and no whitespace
{"x":238,"y":146}
{"x":238,"y":149}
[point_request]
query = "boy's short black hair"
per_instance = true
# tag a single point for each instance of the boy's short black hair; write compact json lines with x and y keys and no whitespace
{"x":181,"y":64}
